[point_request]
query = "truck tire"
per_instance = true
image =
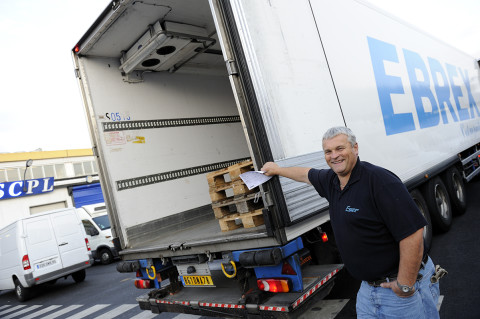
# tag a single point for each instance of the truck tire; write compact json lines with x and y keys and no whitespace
{"x":106,"y":256}
{"x":422,"y":207}
{"x":456,"y":190}
{"x":79,"y":276}
{"x":438,"y":203}
{"x":22,"y":293}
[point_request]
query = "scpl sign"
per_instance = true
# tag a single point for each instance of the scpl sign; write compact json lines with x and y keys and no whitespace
{"x":33,"y":186}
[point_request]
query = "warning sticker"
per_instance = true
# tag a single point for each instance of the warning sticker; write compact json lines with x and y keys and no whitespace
{"x":114,"y":138}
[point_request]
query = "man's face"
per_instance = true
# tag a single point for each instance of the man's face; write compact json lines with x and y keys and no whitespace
{"x":340,"y":155}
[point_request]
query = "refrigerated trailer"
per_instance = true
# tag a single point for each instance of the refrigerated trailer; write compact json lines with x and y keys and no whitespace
{"x":176,"y":90}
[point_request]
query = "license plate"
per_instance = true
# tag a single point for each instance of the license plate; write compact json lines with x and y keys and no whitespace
{"x":46,"y":263}
{"x":198,"y":281}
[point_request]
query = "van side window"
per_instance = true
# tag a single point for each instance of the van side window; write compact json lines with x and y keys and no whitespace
{"x":89,"y":228}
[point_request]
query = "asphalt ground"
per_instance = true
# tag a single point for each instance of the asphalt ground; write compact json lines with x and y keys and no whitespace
{"x":458,"y":251}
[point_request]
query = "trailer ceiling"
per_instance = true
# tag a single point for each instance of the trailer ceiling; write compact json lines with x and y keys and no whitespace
{"x":113,"y":35}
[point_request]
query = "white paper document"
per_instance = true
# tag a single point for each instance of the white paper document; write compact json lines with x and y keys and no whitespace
{"x":254,"y":178}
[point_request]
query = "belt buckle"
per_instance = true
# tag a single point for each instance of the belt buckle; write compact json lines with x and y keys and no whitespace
{"x":378,"y":282}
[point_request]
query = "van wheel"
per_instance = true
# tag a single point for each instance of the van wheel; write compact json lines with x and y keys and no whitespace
{"x":106,"y":256}
{"x":22,"y":293}
{"x":438,"y":203}
{"x":456,"y":190}
{"x":79,"y":276}
{"x":422,"y":207}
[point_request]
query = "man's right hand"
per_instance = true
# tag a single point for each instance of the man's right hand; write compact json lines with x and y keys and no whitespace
{"x":270,"y":168}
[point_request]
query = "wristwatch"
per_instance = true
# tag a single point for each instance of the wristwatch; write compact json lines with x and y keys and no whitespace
{"x":405,"y":288}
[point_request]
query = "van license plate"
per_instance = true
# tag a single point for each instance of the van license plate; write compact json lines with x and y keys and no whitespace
{"x":46,"y":263}
{"x":198,"y":281}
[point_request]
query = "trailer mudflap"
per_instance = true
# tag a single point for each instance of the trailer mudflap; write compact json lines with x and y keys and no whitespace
{"x":228,"y":302}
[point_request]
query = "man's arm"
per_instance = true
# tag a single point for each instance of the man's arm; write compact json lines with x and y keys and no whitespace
{"x":411,"y":253}
{"x":299,"y":174}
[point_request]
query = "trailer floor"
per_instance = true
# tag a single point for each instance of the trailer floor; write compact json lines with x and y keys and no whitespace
{"x":205,"y":231}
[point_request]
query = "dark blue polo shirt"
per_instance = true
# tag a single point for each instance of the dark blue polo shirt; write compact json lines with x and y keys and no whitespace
{"x":369,"y":217}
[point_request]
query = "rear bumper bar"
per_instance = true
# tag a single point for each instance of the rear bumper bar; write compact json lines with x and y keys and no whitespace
{"x":31,"y":280}
{"x":221,"y":302}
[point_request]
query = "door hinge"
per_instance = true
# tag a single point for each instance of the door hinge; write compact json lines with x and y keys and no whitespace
{"x":232,"y":67}
{"x":95,"y":151}
{"x":267,"y":199}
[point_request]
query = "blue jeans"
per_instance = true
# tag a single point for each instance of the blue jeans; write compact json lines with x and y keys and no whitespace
{"x":378,"y":302}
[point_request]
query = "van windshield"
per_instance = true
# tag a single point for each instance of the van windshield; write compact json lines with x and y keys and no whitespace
{"x":102,"y":221}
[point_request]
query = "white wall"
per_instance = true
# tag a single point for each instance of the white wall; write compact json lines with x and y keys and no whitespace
{"x":16,"y":208}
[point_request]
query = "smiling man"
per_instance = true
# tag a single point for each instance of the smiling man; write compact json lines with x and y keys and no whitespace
{"x":378,"y":230}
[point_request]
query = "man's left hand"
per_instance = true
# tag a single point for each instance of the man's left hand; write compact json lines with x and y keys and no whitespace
{"x":393,"y":285}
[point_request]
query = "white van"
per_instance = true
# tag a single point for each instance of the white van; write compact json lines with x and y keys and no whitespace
{"x":42,"y":248}
{"x":97,"y":226}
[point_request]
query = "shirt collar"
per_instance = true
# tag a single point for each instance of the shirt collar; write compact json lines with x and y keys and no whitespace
{"x":356,"y":172}
{"x":354,"y":177}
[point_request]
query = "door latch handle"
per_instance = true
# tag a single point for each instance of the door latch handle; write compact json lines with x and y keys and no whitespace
{"x":63,"y":244}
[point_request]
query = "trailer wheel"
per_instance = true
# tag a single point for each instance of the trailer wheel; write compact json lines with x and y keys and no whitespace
{"x":22,"y":293}
{"x":438,"y":203}
{"x":422,"y":207}
{"x":79,"y":276}
{"x":106,"y":256}
{"x":456,"y":190}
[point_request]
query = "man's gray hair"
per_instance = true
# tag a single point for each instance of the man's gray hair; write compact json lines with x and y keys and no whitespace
{"x":337,"y":130}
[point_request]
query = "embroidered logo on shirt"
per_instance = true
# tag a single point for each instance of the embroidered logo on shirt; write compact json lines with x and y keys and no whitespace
{"x":351,"y":209}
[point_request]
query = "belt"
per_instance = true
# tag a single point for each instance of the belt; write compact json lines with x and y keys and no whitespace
{"x":424,"y":262}
{"x":378,"y":282}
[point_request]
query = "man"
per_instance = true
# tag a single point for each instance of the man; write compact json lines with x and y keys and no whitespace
{"x":378,"y":230}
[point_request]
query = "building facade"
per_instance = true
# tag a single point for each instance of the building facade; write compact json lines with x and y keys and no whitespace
{"x":55,"y":179}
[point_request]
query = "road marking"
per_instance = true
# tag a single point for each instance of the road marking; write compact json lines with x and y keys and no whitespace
{"x":11,"y":309}
{"x":117,"y":311}
{"x":145,"y":314}
{"x":41,"y":312}
{"x":327,"y":309}
{"x":87,"y":312}
{"x":18,"y":313}
{"x":62,"y":311}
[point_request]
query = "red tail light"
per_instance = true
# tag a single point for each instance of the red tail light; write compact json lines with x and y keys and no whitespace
{"x":139,"y":274}
{"x":274,"y":285}
{"x":88,"y":244}
{"x":143,"y":284}
{"x":287,"y":269}
{"x":26,"y":263}
{"x":324,"y":237}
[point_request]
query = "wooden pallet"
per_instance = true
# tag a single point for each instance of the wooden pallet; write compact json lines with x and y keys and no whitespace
{"x":228,"y":178}
{"x":244,"y":206}
{"x":249,"y":220}
{"x":237,"y":204}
